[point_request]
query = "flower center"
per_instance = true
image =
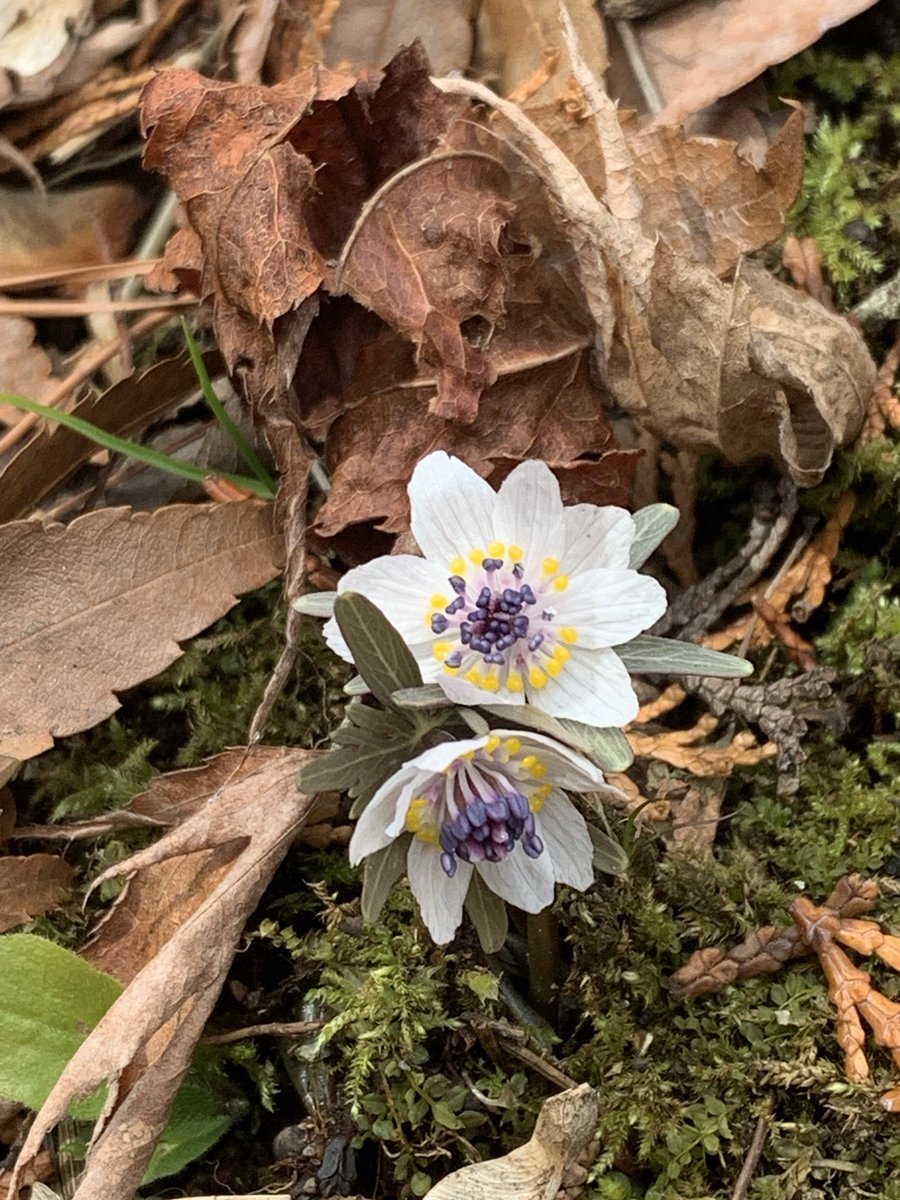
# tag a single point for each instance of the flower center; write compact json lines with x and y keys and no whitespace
{"x":482,"y":806}
{"x":504,"y":628}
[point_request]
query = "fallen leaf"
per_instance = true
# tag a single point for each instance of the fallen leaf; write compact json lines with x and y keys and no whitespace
{"x":37,"y":40}
{"x":513,"y":36}
{"x":689,"y":750}
{"x":803,"y":259}
{"x":697,"y":51}
{"x":54,"y":453}
{"x":96,"y":607}
{"x":71,"y":228}
{"x":365,"y":34}
{"x":565,"y":1127}
{"x":884,"y":406}
{"x":29,"y":886}
{"x":142,"y":1046}
{"x":24,"y":367}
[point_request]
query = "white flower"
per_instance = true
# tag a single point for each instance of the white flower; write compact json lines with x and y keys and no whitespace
{"x":517,"y":599}
{"x":493,"y":805}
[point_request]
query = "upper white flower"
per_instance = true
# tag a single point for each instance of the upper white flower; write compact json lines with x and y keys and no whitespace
{"x":517,"y":598}
{"x":493,"y":805}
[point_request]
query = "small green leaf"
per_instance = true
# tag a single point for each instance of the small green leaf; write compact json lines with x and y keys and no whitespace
{"x":380,"y":872}
{"x":483,"y":983}
{"x":608,"y":748}
{"x":488,"y":914}
{"x":646,"y":655}
{"x":382,"y":657}
{"x":609,"y":856}
{"x":652,"y":524}
{"x":316,"y":604}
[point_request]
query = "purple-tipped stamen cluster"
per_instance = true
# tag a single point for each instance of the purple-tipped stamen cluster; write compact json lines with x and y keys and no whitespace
{"x":496,"y":620}
{"x":487,"y":830}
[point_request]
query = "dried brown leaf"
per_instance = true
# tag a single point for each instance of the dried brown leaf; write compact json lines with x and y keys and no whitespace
{"x":565,"y":1127}
{"x":142,"y":1045}
{"x":24,"y":368}
{"x":55,"y":452}
{"x":29,"y":886}
{"x":71,"y":228}
{"x":697,"y":52}
{"x":884,"y":405}
{"x":803,"y":258}
{"x":96,"y":607}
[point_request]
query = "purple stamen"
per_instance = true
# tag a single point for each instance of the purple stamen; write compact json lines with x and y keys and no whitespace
{"x":448,"y":862}
{"x":454,"y":659}
{"x":497,"y":810}
{"x":439,"y":623}
{"x":457,"y":583}
{"x":534,"y":642}
{"x":476,"y":811}
{"x":533,"y":846}
{"x":447,"y":840}
{"x":527,"y":594}
{"x":518,"y":805}
{"x":455,"y":605}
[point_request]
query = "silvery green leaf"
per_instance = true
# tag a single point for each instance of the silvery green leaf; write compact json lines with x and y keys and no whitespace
{"x":381,"y":656}
{"x":609,"y":856}
{"x":667,"y":656}
{"x":608,"y":748}
{"x":653,"y":524}
{"x":357,"y":686}
{"x":488,"y":914}
{"x":475,"y":721}
{"x":605,"y":747}
{"x":380,"y":872}
{"x":368,"y":747}
{"x":430,"y":695}
{"x":316,"y":604}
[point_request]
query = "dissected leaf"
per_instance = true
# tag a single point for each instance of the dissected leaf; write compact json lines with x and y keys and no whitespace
{"x":98,"y":606}
{"x":367,"y":747}
{"x":142,"y":1046}
{"x":29,"y":885}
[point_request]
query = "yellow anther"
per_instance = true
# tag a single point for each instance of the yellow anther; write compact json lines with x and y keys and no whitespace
{"x":514,"y":682}
{"x":569,"y":635}
{"x":561,"y":582}
{"x":439,"y":601}
{"x":491,"y":744}
{"x":473,"y":676}
{"x":516,"y":554}
{"x":529,"y":760}
{"x":451,"y":670}
{"x":536,"y":677}
{"x":457,"y":566}
{"x":538,"y":796}
{"x":440,"y":650}
{"x":550,"y":566}
{"x":553,"y":666}
{"x":512,"y":745}
{"x":468,"y":755}
{"x":496,"y":549}
{"x":539,"y":770}
{"x":490,"y":682}
{"x":562,"y":654}
{"x":477,"y":556}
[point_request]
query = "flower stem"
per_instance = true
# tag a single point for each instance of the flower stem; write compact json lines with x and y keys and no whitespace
{"x":544,"y":963}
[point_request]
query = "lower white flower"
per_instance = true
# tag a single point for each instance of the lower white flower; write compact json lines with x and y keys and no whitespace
{"x":517,"y":599}
{"x":490,"y":804}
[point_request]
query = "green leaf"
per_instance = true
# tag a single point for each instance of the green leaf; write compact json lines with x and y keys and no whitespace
{"x":369,"y":746}
{"x":488,"y":914}
{"x":144,"y":454}
{"x":50,"y":999}
{"x":609,"y":856}
{"x":380,"y":872}
{"x":652,"y":525}
{"x":244,"y":448}
{"x":316,"y":604}
{"x":382,"y":657}
{"x":483,"y":983}
{"x":646,"y":655}
{"x":608,"y":748}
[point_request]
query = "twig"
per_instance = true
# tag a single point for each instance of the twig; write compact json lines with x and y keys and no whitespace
{"x":273,"y":1029}
{"x":751,"y":1161}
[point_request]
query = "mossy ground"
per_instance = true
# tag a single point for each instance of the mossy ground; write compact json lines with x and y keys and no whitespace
{"x":681,"y":1083}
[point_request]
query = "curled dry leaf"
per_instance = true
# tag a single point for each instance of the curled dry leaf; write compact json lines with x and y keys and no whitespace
{"x":230,"y":845}
{"x":565,"y":1127}
{"x":95,"y":607}
{"x":30,"y":885}
{"x":73,"y":228}
{"x":884,"y":407}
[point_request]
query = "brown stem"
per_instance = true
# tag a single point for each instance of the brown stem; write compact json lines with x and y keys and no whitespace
{"x":544,"y":963}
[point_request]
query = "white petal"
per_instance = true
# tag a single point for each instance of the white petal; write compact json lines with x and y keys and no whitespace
{"x":386,"y":808}
{"x":463,"y":692}
{"x":438,"y":758}
{"x":529,"y":514}
{"x":593,"y":687}
{"x":401,"y":585}
{"x":439,"y":897}
{"x":607,"y":606}
{"x":566,"y":840}
{"x":452,"y":508}
{"x":525,"y":882}
{"x":565,"y":768}
{"x":597,"y":537}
